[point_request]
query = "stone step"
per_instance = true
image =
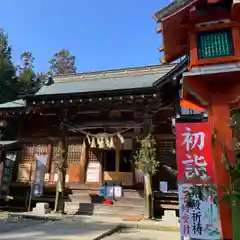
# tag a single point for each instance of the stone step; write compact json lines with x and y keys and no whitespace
{"x":130,"y":201}
{"x":118,"y":201}
{"x":128,"y":193}
{"x":85,"y":191}
{"x":101,"y":209}
{"x":131,"y":193}
{"x":79,"y":198}
{"x":119,"y":209}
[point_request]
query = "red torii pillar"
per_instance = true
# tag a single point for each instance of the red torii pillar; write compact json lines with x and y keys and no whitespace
{"x":219,"y":92}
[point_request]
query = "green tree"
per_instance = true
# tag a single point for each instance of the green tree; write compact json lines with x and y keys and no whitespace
{"x":145,"y":161}
{"x":8,"y":80}
{"x":29,"y":82}
{"x":63,"y":62}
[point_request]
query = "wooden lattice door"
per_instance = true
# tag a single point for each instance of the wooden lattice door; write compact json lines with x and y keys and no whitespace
{"x":74,"y":162}
{"x":27,"y":166}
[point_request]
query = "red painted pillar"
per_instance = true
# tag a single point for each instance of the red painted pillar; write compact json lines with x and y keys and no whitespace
{"x":219,"y":114}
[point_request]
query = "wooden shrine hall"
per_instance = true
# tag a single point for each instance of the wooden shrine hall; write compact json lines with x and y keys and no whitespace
{"x":105,"y":113}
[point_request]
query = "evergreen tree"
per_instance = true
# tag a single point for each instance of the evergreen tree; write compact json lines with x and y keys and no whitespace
{"x":29,"y":82}
{"x":62,"y":63}
{"x":146,"y":162}
{"x":8,"y":80}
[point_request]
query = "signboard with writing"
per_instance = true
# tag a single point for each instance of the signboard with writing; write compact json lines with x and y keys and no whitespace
{"x":198,"y":217}
{"x":37,"y":186}
{"x":198,"y":212}
{"x":194,"y":153}
{"x":93,"y":172}
{"x":7,"y":172}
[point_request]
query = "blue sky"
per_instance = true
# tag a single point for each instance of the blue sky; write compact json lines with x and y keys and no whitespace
{"x":102,"y":34}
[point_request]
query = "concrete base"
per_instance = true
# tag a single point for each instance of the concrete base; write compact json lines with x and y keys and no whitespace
{"x":41,"y":209}
{"x":170,"y":218}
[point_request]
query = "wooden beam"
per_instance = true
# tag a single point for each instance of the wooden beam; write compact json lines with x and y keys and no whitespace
{"x":235,"y":10}
{"x":163,"y":60}
{"x":107,"y":124}
{"x":161,"y":49}
{"x":155,"y":104}
{"x":160,"y":28}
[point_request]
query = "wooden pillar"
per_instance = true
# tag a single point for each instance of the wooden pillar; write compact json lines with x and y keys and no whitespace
{"x":219,"y":114}
{"x":83,"y":161}
{"x":117,"y":167}
{"x":134,"y":148}
{"x":49,"y":159}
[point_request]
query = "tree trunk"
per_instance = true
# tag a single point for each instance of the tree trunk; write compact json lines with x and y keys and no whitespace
{"x":60,"y":186}
{"x":56,"y":204}
{"x":62,"y":166}
{"x":148,"y":195}
{"x":62,"y":190}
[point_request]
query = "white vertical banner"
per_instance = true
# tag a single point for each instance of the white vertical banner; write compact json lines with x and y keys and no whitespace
{"x":37,"y":187}
{"x":198,"y":213}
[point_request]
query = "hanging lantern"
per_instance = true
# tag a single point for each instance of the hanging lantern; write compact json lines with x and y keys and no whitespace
{"x":93,"y":144}
{"x":111,"y":144}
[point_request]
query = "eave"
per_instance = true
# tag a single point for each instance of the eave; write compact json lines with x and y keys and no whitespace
{"x":100,"y":94}
{"x":174,"y":22}
{"x":179,"y":69}
{"x":169,"y":9}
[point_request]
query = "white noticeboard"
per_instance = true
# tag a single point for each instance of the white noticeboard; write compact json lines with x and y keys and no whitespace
{"x":93,"y":172}
{"x":199,"y":220}
{"x":118,"y":191}
{"x":163,"y":186}
{"x":110,"y":191}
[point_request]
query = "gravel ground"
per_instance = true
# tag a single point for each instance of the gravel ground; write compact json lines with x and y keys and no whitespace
{"x":138,"y":234}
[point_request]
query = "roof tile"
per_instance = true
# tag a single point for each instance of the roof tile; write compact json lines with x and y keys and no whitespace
{"x":105,"y":84}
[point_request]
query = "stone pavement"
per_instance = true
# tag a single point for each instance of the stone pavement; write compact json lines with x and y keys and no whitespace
{"x":143,"y":224}
{"x":140,"y":234}
{"x":87,"y":228}
{"x":60,"y":230}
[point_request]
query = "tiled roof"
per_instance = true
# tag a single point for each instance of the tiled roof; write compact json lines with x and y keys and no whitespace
{"x":14,"y":104}
{"x":111,"y":81}
{"x":171,"y":8}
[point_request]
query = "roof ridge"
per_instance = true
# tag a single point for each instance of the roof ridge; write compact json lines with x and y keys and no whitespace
{"x":131,"y":72}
